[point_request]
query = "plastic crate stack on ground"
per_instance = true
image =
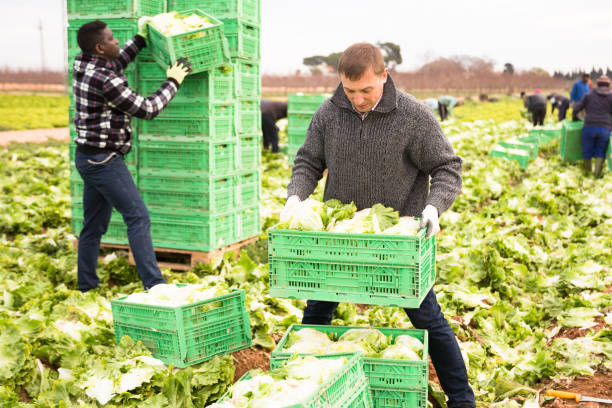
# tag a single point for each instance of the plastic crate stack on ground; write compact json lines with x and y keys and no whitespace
{"x":300,"y":110}
{"x":392,"y":382}
{"x":525,"y":148}
{"x":122,"y":18}
{"x":188,"y":334}
{"x":199,"y":159}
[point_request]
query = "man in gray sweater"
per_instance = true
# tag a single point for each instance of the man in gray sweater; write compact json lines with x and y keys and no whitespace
{"x":380,"y":145}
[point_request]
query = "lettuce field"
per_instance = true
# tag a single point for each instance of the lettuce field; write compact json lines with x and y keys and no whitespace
{"x":523,"y":275}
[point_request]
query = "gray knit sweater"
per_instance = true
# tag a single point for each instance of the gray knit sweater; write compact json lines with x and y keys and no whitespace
{"x":386,"y":158}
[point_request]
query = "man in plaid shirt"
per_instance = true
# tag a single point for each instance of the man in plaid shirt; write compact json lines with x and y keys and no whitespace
{"x":104,"y":107}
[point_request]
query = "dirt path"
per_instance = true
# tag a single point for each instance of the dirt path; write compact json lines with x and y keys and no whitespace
{"x":34,"y":135}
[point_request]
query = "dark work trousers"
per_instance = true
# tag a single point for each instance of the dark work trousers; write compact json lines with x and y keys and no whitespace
{"x":443,"y":348}
{"x":108,"y":184}
{"x":538,"y":113}
{"x":443,"y":111}
{"x":270,"y":132}
{"x":563,"y":110}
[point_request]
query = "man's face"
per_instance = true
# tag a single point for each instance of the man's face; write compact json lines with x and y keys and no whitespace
{"x":365,"y":91}
{"x":108,"y":47}
{"x":585,"y":79}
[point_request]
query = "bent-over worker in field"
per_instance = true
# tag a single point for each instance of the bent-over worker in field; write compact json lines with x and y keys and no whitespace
{"x":560,"y":102}
{"x":536,"y":105}
{"x":597,"y":124}
{"x":446,"y":103}
{"x":104,"y":106}
{"x":381,"y":145}
{"x":271,"y":112}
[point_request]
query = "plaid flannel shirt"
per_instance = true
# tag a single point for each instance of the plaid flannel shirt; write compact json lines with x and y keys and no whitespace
{"x":105,"y":103}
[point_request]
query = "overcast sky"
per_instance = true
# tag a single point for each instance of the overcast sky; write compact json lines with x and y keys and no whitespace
{"x":528,"y":33}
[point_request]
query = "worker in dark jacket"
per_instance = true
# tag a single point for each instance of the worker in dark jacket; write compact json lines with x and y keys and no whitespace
{"x":559,"y":102}
{"x":271,"y":111}
{"x":536,"y":105}
{"x":597,"y":124}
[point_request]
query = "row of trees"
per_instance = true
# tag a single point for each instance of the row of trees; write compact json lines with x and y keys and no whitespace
{"x":320,"y":64}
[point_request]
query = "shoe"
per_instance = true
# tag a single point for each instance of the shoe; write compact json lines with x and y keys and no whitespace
{"x":599,"y":164}
{"x":586,"y":165}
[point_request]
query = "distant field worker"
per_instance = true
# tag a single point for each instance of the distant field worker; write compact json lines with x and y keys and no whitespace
{"x":580,"y":88}
{"x":446,"y":103}
{"x":104,"y":106}
{"x":536,"y":105}
{"x":597,"y":124}
{"x":559,"y":102}
{"x":271,"y":112}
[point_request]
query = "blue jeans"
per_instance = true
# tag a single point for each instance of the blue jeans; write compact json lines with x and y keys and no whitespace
{"x":595,"y":141}
{"x":108,"y":184}
{"x":443,"y":348}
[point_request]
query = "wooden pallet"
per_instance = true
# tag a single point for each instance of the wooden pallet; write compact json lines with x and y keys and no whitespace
{"x":180,"y":259}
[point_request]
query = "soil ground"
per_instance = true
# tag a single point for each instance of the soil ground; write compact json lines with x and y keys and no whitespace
{"x":33,"y":136}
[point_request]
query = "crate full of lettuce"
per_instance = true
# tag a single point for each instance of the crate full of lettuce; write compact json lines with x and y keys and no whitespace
{"x":330,"y":251}
{"x":184,"y":324}
{"x":303,"y":382}
{"x":395,"y":361}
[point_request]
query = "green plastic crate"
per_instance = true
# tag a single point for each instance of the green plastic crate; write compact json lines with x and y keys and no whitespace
{"x":518,"y":155}
{"x":248,"y":10}
{"x":297,"y":123}
{"x":359,"y":268}
{"x":247,"y":79}
{"x":381,"y":373}
{"x":213,"y":86}
{"x":514,"y":143}
{"x":80,"y":9}
{"x":248,"y":189}
{"x":546,"y":133}
{"x":205,"y":48}
{"x":248,"y":117}
{"x":189,"y":334}
{"x":218,"y":126}
{"x":385,"y":398}
{"x":187,"y":195}
{"x":243,"y":39}
{"x":202,"y":232}
{"x":571,"y":141}
{"x":532,"y":140}
{"x":345,"y":389}
{"x":123,"y":30}
{"x":249,"y":152}
{"x":305,"y":103}
{"x":195,"y":158}
{"x":248,"y":222}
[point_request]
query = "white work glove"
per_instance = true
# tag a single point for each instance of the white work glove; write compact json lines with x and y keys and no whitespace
{"x":429,"y":219}
{"x":289,"y":204}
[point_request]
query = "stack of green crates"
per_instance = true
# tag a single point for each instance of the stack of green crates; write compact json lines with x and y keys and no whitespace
{"x":199,"y":160}
{"x":197,"y":163}
{"x":300,"y":110}
{"x":122,"y":18}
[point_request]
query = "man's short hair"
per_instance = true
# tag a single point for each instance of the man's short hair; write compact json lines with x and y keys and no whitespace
{"x":585,"y":75}
{"x":89,"y":35}
{"x":357,"y":58}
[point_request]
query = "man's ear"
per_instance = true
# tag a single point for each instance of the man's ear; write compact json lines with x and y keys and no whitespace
{"x":99,"y":49}
{"x":384,"y":75}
